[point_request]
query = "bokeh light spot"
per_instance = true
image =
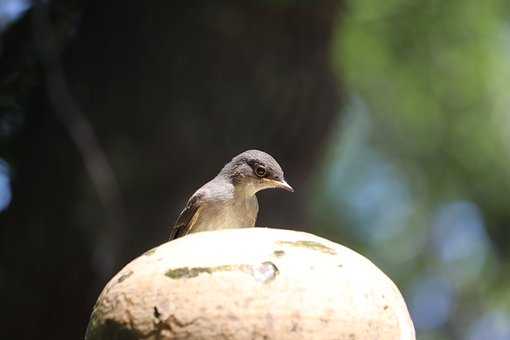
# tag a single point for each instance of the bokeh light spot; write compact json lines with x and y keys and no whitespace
{"x":460,"y":240}
{"x":493,"y":325}
{"x":432,"y":299}
{"x":5,"y":185}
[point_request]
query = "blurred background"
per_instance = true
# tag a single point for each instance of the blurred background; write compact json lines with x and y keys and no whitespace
{"x":390,"y":118}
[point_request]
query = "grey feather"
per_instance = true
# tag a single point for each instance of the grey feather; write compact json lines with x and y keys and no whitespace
{"x":182,"y":225}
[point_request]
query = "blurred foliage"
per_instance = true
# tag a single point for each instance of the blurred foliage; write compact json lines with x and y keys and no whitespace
{"x":417,"y":175}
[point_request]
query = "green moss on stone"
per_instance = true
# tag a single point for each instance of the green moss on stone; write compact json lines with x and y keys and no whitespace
{"x":110,"y":330}
{"x":150,"y":252}
{"x":124,"y":276}
{"x":279,"y":253}
{"x":264,"y":272}
{"x":187,"y":272}
{"x":313,"y":245}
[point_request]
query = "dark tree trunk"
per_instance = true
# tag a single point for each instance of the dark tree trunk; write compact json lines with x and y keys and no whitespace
{"x":173,"y":91}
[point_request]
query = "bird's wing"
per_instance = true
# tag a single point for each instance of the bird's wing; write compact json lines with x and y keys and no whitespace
{"x":188,"y":217}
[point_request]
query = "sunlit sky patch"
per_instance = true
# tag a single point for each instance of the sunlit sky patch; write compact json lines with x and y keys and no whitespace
{"x":11,"y":10}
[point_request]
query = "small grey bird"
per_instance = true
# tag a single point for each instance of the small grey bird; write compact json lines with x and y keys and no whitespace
{"x":229,"y":200}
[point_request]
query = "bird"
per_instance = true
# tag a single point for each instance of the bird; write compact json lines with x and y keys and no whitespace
{"x":229,"y":200}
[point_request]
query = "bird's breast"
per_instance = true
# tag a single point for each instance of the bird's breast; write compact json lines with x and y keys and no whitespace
{"x":226,"y":215}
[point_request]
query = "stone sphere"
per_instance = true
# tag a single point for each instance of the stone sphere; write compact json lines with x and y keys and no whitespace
{"x":252,"y":283}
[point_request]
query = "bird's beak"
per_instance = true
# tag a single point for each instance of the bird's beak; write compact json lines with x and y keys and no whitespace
{"x":285,"y":186}
{"x":279,"y":184}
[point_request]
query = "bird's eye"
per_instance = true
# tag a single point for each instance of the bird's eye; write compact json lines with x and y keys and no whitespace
{"x":260,"y":171}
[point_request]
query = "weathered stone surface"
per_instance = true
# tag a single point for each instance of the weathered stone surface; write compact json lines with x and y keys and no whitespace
{"x":254,"y":283}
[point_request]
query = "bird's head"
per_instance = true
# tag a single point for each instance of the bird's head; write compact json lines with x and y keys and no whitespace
{"x":254,"y":170}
